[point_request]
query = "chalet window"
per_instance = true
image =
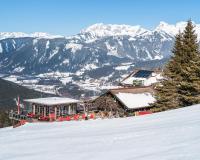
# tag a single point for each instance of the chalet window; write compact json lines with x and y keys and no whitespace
{"x":138,"y":82}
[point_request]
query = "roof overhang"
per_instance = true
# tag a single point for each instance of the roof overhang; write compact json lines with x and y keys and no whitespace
{"x":52,"y":101}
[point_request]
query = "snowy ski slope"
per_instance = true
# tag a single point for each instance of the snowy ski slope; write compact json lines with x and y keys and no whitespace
{"x":171,"y":135}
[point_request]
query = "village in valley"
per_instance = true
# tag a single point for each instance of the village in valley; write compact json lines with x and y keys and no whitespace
{"x":142,"y":92}
{"x":132,"y":97}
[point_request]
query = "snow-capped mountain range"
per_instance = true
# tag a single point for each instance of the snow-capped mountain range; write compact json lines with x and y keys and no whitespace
{"x":96,"y":45}
{"x":100,"y":30}
{"x":104,"y":52}
{"x":4,"y":35}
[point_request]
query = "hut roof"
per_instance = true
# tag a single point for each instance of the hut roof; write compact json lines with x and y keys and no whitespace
{"x":135,"y":101}
{"x":134,"y":98}
{"x":132,"y":90}
{"x":51,"y":101}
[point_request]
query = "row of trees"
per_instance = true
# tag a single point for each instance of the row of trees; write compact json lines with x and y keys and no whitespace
{"x":181,"y":84}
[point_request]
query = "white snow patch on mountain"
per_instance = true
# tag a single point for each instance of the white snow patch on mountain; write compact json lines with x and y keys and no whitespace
{"x":35,"y":41}
{"x":167,"y":135}
{"x":158,"y":57}
{"x":90,"y":67}
{"x":11,"y":78}
{"x":84,"y":68}
{"x":174,"y":29}
{"x":54,"y":74}
{"x":47,"y":45}
{"x":165,"y":27}
{"x":19,"y":69}
{"x":4,"y":35}
{"x":102,"y":30}
{"x":66,"y":61}
{"x":1,"y":49}
{"x":44,"y":35}
{"x":66,"y":80}
{"x":54,"y":52}
{"x":79,"y":73}
{"x":122,"y":68}
{"x":112,"y":50}
{"x":74,"y":47}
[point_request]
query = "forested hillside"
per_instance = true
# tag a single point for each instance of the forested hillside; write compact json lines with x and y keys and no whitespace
{"x":8,"y":93}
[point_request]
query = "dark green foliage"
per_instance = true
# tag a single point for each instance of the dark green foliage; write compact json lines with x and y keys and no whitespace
{"x":9,"y":91}
{"x":181,"y":84}
{"x":4,"y":120}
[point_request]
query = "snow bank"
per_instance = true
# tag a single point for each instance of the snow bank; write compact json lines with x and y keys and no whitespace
{"x":168,"y":135}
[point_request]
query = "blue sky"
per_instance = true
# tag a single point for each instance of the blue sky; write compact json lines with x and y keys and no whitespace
{"x":68,"y":17}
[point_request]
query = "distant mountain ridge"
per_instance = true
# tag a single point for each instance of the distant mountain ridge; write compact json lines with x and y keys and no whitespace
{"x":5,"y":35}
{"x":94,"y":48}
{"x":100,"y":30}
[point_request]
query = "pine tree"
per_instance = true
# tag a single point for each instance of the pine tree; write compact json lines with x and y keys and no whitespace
{"x":166,"y":93}
{"x":189,"y":88}
{"x":181,"y":84}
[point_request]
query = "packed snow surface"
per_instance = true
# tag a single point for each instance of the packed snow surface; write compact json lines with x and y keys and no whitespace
{"x":171,"y":135}
{"x":132,"y":100}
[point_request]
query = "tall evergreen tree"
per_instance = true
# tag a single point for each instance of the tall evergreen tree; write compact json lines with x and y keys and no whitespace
{"x":189,"y":88}
{"x":181,"y":84}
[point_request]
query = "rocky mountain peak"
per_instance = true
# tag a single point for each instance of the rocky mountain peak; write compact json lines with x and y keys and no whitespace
{"x":103,"y":30}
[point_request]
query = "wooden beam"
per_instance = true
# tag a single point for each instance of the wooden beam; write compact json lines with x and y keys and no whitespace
{"x":45,"y":111}
{"x":69,"y":109}
{"x":55,"y":113}
{"x":33,"y":109}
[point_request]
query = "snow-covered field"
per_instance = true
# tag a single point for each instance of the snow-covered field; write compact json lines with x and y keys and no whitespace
{"x":171,"y":135}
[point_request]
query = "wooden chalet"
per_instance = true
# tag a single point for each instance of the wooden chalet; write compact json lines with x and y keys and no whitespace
{"x":127,"y":100}
{"x":141,"y":77}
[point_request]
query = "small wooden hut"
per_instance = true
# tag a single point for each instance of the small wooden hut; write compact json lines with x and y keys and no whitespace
{"x":53,"y":107}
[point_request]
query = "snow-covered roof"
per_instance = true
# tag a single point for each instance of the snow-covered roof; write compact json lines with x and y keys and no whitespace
{"x":134,"y":101}
{"x":51,"y":101}
{"x":148,"y":79}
